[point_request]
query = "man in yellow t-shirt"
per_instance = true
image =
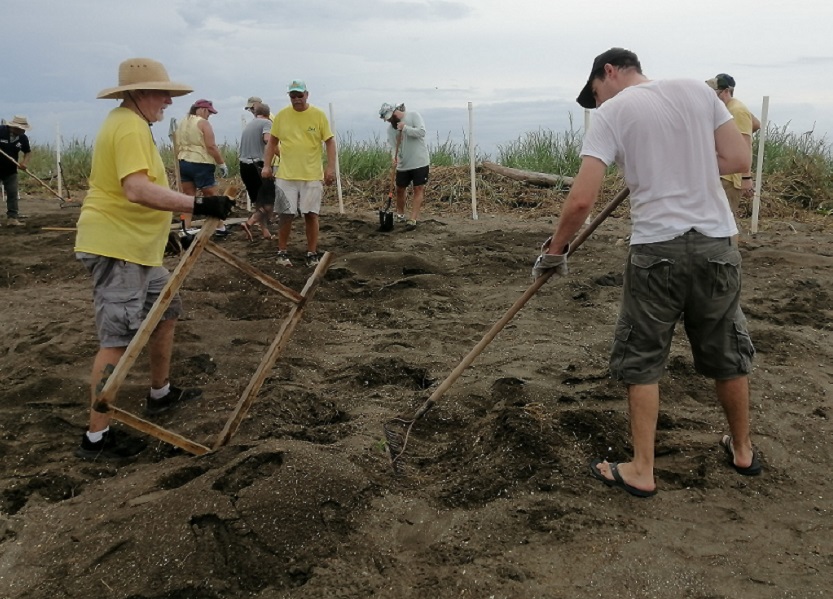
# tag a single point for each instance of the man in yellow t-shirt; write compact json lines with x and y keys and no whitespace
{"x":737,"y":185}
{"x":300,"y":129}
{"x":122,"y":231}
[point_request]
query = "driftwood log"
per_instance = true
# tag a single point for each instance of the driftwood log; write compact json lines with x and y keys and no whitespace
{"x":531,"y":177}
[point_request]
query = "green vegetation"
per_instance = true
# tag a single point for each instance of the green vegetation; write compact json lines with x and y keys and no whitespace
{"x":544,"y":151}
{"x":798,"y":168}
{"x":363,"y":160}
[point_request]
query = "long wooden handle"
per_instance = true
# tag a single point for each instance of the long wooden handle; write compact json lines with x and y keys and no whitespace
{"x":25,"y":170}
{"x":519,"y":303}
{"x":395,"y":158}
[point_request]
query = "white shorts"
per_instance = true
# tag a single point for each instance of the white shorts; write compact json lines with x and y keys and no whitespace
{"x":299,"y":197}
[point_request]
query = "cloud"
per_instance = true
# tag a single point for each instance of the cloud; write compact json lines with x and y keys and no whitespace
{"x":288,"y":16}
{"x":521,"y":64}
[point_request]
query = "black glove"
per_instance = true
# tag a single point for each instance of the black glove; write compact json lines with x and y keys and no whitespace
{"x":216,"y":206}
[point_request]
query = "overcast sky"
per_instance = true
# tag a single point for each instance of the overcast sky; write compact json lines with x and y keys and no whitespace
{"x":520,"y":62}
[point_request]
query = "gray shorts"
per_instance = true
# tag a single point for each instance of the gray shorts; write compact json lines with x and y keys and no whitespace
{"x":298,"y":197}
{"x":694,"y":277}
{"x":123,"y":294}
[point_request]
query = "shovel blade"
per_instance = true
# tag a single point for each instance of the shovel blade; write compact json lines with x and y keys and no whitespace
{"x":385,"y":221}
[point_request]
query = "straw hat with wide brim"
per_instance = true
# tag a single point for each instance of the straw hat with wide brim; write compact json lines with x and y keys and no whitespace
{"x":19,"y":122}
{"x":143,"y":73}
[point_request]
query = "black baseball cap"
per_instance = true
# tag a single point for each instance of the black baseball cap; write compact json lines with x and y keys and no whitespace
{"x":721,"y":81}
{"x":618,"y":57}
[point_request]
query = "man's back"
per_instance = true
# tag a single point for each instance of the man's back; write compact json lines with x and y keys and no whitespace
{"x":661,"y":134}
{"x":251,"y":140}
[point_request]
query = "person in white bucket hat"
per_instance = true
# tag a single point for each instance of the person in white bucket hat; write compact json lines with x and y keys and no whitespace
{"x":13,"y":142}
{"x":123,"y":228}
{"x":412,"y":160}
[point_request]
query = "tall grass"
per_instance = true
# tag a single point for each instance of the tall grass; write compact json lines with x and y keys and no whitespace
{"x":798,"y":168}
{"x":367,"y":159}
{"x":363,"y":160}
{"x":544,"y":151}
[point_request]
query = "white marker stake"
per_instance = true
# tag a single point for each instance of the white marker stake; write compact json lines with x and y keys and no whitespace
{"x":759,"y":169}
{"x":338,"y":171}
{"x":471,"y":164}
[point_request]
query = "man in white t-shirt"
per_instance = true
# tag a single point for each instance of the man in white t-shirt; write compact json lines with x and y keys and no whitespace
{"x":670,"y":139}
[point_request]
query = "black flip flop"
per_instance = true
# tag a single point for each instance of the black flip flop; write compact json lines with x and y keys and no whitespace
{"x":754,"y":469}
{"x":617,"y":480}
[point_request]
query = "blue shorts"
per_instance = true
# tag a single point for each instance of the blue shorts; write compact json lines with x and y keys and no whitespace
{"x":693,"y":277}
{"x":123,"y":294}
{"x":201,"y":174}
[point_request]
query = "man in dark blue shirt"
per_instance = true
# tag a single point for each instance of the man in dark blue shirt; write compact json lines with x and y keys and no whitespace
{"x":13,"y":142}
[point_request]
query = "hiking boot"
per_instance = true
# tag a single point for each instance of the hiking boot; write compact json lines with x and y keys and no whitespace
{"x":410,"y":224}
{"x":172,"y":399}
{"x":400,"y":218}
{"x":112,"y":446}
{"x":13,"y":222}
{"x":283,"y":258}
{"x":313,"y":259}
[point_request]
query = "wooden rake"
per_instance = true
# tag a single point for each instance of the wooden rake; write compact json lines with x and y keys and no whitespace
{"x":398,"y":430}
{"x":105,"y":400}
{"x":63,"y":201}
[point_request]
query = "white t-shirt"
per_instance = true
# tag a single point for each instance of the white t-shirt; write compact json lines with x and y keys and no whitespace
{"x":661,"y":135}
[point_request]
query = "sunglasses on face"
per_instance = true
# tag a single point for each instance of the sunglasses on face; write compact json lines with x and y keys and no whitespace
{"x":296,"y":95}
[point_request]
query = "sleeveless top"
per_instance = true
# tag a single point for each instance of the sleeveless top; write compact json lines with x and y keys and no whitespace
{"x":191,"y":142}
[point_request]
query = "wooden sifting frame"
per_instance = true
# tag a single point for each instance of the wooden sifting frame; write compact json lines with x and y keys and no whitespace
{"x":104,"y":401}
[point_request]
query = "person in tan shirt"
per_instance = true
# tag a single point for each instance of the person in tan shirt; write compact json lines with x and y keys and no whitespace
{"x":736,"y":185}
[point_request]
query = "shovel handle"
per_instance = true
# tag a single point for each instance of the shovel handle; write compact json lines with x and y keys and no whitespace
{"x":393,"y":170}
{"x":26,"y":170}
{"x":519,"y":303}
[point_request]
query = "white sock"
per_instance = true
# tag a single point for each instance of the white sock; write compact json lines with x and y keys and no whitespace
{"x":97,"y":436}
{"x":160,"y":393}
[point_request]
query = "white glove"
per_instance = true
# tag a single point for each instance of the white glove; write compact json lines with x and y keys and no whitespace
{"x":550,"y":262}
{"x":223,"y":170}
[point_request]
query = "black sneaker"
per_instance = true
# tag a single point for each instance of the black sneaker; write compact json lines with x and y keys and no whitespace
{"x":313,"y":259}
{"x":222,"y":234}
{"x":173,"y":398}
{"x":283,"y":258}
{"x":112,"y":446}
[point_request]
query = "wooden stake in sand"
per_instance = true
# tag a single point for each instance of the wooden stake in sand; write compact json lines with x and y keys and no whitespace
{"x":472,"y":165}
{"x":759,"y":171}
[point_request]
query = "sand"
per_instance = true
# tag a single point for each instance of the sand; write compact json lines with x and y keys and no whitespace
{"x":495,"y":499}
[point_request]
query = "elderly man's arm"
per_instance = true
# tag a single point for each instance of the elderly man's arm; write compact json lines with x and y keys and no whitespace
{"x":139,"y":189}
{"x":268,"y":156}
{"x":330,"y":173}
